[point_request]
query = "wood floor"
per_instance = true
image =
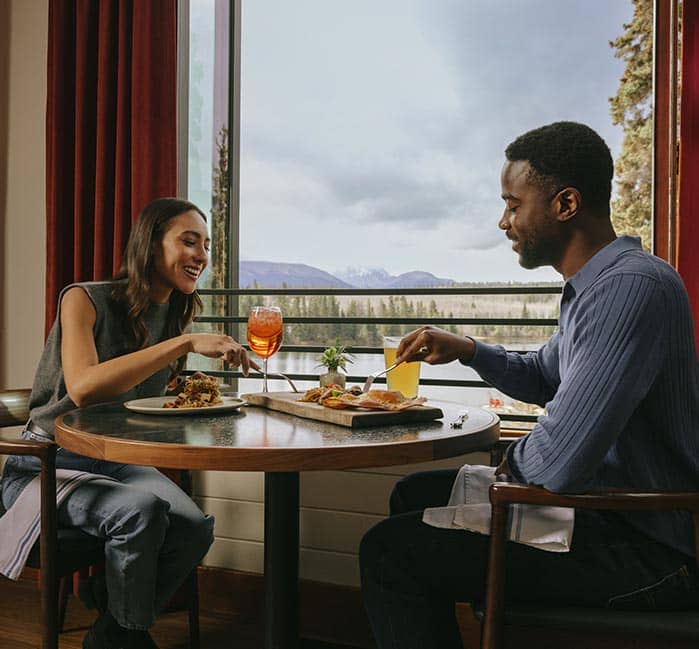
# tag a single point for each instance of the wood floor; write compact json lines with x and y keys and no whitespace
{"x":20,"y":625}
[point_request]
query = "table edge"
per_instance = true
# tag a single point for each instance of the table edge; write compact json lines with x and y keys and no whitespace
{"x":275,"y":459}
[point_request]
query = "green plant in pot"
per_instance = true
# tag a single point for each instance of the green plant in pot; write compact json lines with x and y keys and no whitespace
{"x":334,"y":360}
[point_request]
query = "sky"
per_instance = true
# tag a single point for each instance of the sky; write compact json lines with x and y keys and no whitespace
{"x":373,"y":131}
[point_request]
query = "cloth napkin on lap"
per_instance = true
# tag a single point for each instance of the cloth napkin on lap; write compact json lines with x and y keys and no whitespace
{"x":546,"y":528}
{"x":20,"y":525}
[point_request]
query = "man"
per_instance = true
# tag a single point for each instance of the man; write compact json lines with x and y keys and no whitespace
{"x":619,"y":382}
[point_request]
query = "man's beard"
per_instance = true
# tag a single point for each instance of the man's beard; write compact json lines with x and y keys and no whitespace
{"x":535,"y":251}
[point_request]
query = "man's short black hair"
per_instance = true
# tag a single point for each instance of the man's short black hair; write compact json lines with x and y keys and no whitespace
{"x":568,"y":154}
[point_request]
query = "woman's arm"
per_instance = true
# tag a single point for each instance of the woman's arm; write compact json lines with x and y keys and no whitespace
{"x":88,"y":381}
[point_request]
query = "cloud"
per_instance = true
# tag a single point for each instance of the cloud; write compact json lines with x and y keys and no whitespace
{"x":420,"y":206}
{"x":433,"y":190}
{"x":517,"y":66}
{"x":398,"y":136}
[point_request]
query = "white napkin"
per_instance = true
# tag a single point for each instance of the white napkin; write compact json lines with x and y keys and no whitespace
{"x":20,"y":525}
{"x":546,"y":528}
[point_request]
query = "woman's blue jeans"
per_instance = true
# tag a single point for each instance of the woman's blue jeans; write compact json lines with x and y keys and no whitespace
{"x":154,"y":533}
{"x":412,"y":574}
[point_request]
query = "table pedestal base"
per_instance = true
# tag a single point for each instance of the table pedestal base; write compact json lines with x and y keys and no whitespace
{"x":281,"y":560}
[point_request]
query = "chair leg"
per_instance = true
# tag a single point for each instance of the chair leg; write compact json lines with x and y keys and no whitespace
{"x":48,"y":550}
{"x":491,"y":632}
{"x":193,"y":588}
{"x":65,"y":588}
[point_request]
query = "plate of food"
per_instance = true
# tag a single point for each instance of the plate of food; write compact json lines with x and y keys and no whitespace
{"x":200,"y":395}
{"x":335,"y":396}
{"x":156,"y":406}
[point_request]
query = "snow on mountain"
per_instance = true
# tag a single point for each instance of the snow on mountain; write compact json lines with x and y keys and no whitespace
{"x":379,"y":278}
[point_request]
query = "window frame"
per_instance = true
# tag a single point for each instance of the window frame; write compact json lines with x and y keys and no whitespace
{"x":665,"y":166}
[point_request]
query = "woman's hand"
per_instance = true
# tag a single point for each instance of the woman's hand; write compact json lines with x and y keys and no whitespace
{"x":223,"y":347}
{"x":435,"y":346}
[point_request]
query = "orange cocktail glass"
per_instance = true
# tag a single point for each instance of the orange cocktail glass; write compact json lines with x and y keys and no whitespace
{"x":265,"y":333}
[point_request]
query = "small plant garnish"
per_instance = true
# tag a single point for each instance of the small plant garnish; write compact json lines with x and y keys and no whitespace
{"x":335,"y":357}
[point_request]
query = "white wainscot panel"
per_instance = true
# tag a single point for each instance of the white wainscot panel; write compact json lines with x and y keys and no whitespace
{"x":328,"y":489}
{"x":316,"y":565}
{"x":320,"y":529}
{"x":240,"y":485}
{"x":349,"y":491}
{"x":323,"y":529}
{"x":235,"y":519}
{"x":235,"y":554}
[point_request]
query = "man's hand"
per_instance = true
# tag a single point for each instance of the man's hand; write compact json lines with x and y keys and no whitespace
{"x":435,"y":346}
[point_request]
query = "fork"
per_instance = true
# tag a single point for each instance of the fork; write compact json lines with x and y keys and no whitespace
{"x":375,"y":375}
{"x":278,"y":375}
{"x":459,"y":421}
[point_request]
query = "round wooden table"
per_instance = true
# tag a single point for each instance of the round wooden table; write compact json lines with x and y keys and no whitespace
{"x":281,"y":445}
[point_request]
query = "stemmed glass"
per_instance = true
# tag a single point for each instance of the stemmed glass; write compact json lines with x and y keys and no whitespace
{"x":265,"y":333}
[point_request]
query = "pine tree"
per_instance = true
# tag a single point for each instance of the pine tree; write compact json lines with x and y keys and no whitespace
{"x":372,"y":331}
{"x":631,"y":108}
{"x":335,"y":312}
{"x":219,"y":212}
{"x":350,"y":333}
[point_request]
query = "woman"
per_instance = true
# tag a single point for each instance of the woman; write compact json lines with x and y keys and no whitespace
{"x":121,"y":340}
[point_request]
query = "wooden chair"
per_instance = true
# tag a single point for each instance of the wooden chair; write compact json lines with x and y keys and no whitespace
{"x":612,"y":628}
{"x":60,"y":552}
{"x":76,"y":549}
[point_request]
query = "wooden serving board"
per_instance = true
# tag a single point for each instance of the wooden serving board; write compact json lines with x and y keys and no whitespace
{"x":352,"y":418}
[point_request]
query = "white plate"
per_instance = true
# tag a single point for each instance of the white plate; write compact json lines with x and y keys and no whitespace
{"x":154,"y":406}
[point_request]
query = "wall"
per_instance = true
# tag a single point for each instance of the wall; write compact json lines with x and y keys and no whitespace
{"x":23,"y":43}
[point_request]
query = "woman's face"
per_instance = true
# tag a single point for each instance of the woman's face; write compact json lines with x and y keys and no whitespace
{"x":180,"y":257}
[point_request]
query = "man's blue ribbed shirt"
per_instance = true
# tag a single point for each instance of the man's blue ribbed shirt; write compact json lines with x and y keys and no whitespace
{"x":619,"y":380}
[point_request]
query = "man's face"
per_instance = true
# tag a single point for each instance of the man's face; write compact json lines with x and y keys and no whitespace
{"x":528,"y":220}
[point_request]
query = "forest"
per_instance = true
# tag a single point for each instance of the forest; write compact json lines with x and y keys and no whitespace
{"x":438,"y":307}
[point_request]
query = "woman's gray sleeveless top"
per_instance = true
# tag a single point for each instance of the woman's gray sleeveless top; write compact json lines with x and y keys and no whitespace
{"x":113,"y":337}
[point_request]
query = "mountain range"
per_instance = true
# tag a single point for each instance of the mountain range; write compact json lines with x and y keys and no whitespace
{"x":379,"y":278}
{"x":270,"y":274}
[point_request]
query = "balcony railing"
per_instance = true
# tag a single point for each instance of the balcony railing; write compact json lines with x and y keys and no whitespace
{"x":232,"y":320}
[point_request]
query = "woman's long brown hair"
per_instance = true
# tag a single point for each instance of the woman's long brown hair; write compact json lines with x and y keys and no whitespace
{"x":136,"y":269}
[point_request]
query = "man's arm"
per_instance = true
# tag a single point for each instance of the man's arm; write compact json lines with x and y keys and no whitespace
{"x":531,"y":377}
{"x":615,"y":357}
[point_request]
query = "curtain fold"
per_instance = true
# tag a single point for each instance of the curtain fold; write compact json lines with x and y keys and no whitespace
{"x":111,"y":130}
{"x":688,"y":221}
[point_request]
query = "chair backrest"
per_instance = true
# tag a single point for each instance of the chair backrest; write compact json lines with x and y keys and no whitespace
{"x":680,"y":624}
{"x":14,"y":411}
{"x":14,"y":407}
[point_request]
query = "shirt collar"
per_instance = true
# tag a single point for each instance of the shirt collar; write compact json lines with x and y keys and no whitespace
{"x":601,"y":260}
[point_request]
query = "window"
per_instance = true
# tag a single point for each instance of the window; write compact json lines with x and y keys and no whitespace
{"x":371,"y":142}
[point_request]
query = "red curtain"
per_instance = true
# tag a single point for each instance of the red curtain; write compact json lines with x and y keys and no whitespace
{"x":688,"y":221}
{"x":110,"y":130}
